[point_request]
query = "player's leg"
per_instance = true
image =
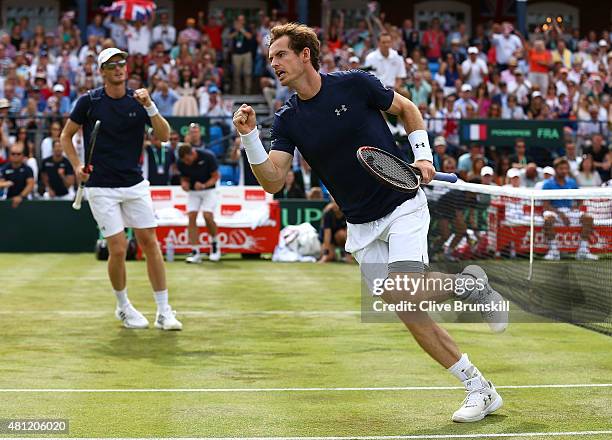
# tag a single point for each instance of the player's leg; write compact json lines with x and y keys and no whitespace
{"x":407,"y":238}
{"x":137,"y":213}
{"x":586,"y":221}
{"x":105,"y":207}
{"x":192,"y":232}
{"x":210,"y":201}
{"x":550,"y":219}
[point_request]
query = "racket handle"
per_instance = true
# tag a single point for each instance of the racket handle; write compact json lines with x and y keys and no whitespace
{"x":79,"y":197}
{"x":446,"y":177}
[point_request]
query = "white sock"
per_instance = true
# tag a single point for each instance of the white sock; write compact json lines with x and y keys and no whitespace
{"x":552,"y":245}
{"x":196,"y":249}
{"x":122,"y":298}
{"x":584,"y":246}
{"x":464,"y":369}
{"x":161,"y":299}
{"x":213,"y":239}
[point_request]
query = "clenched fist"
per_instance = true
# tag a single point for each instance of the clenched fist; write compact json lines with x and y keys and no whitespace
{"x":245,"y":119}
{"x":143,"y":98}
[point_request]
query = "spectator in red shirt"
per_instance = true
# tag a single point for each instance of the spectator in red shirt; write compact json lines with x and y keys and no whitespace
{"x":214,"y":31}
{"x":540,"y":61}
{"x":433,"y":40}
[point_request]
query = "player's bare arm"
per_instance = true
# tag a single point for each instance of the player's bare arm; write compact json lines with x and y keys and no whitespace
{"x":270,"y":170}
{"x":70,"y":129}
{"x":413,"y":121}
{"x":161,"y":128}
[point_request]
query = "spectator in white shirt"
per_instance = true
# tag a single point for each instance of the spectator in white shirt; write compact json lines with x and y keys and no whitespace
{"x":164,"y":32}
{"x":474,"y":69}
{"x":91,"y":46}
{"x":387,"y":64}
{"x":159,"y":67}
{"x":512,"y":110}
{"x":521,"y":88}
{"x":547,"y":173}
{"x":139,"y":38}
{"x":465,"y":100}
{"x":506,"y":44}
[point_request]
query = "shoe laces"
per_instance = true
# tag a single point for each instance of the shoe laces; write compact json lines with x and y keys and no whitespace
{"x":474,"y":389}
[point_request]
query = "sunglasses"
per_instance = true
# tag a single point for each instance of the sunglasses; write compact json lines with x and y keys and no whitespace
{"x":16,"y":154}
{"x":113,"y":64}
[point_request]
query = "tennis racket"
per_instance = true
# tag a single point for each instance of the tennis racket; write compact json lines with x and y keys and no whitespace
{"x":92,"y":143}
{"x":393,"y":172}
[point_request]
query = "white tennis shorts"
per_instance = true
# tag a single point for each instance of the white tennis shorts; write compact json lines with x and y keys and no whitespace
{"x":396,"y":242}
{"x":118,"y":208}
{"x":573,"y":215}
{"x":205,"y":200}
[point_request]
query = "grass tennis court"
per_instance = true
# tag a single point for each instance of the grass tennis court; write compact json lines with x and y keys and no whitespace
{"x":271,"y":330}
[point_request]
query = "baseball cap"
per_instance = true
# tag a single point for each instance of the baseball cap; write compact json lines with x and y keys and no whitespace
{"x":549,"y":170}
{"x":4,"y":103}
{"x":213,"y":89}
{"x":107,"y":54}
{"x":439,"y":140}
{"x":472,"y":49}
{"x":513,"y":172}
{"x":486,"y":171}
{"x":536,"y":94}
{"x":58,"y":88}
{"x":354,"y":60}
{"x":603,"y":43}
{"x":466,"y":88}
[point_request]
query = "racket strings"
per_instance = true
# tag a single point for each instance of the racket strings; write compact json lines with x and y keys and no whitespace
{"x":391,"y":169}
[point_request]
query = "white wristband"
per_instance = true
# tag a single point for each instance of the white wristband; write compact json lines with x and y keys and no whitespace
{"x":255,"y":151}
{"x":152,"y":109}
{"x":419,"y":141}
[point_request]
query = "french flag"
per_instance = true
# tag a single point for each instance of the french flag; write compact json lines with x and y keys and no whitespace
{"x":475,"y":132}
{"x":131,"y":10}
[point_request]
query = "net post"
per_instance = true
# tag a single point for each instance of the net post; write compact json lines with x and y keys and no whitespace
{"x":531,"y":236}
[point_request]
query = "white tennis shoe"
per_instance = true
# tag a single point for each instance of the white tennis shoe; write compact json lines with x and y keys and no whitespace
{"x":585,"y":254}
{"x":497,"y":316}
{"x":554,"y":255}
{"x":130,"y":317}
{"x":215,"y":251}
{"x":166,"y":320}
{"x":481,"y":400}
{"x":194,"y":258}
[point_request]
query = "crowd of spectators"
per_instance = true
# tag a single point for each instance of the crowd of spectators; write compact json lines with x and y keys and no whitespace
{"x":449,"y":71}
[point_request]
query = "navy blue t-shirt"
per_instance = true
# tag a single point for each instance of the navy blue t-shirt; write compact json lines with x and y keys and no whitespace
{"x":328,"y":128}
{"x":200,"y":170}
{"x":119,"y":143}
{"x":19,"y":176}
{"x":51,"y":168}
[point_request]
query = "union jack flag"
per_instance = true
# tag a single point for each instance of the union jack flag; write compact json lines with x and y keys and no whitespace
{"x":131,"y":10}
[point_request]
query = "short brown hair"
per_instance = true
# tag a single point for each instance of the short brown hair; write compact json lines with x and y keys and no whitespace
{"x":560,"y":161}
{"x":183,"y":150}
{"x":300,"y":37}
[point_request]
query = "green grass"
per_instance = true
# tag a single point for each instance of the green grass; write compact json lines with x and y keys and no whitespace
{"x":229,"y":343}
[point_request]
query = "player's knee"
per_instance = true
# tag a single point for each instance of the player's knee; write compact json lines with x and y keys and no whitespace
{"x":404,"y":283}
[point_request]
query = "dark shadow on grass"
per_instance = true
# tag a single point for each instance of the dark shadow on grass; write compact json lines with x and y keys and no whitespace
{"x":159,"y":347}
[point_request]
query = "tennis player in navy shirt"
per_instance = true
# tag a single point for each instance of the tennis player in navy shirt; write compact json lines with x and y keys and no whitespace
{"x":118,"y":195}
{"x":327,"y":120}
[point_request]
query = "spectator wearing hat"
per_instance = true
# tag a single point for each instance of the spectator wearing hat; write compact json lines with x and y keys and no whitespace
{"x":164,"y":98}
{"x":60,"y":100}
{"x":439,"y":152}
{"x":547,"y":173}
{"x":354,"y":62}
{"x":190,"y":34}
{"x":457,"y":51}
{"x":474,"y":69}
{"x":513,"y":178}
{"x":465,"y":100}
{"x":164,"y":32}
{"x":540,"y":62}
{"x":487,"y":176}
